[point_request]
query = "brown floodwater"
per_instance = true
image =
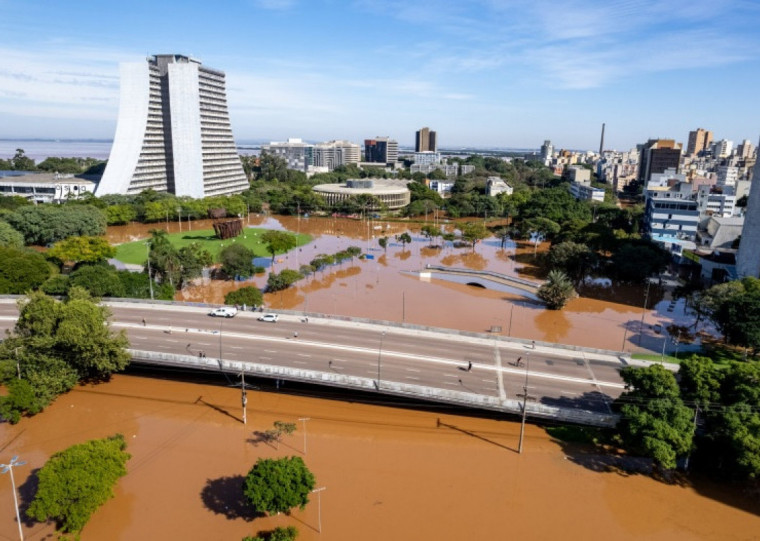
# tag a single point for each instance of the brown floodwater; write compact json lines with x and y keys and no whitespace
{"x":385,"y":287}
{"x":388,"y":473}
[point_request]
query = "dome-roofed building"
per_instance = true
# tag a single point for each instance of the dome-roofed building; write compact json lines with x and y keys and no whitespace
{"x":393,"y":193}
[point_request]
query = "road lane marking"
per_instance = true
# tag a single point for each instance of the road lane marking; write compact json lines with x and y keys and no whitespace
{"x":414,"y":378}
{"x":413,"y":370}
{"x":295,"y":361}
{"x":304,"y":355}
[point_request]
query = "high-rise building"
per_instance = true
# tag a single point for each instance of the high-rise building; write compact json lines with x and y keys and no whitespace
{"x":335,"y":153}
{"x":173,"y":132}
{"x":657,"y":155}
{"x":547,"y":150}
{"x":425,"y":141}
{"x":298,"y":154}
{"x":699,"y":141}
{"x":381,"y":150}
{"x":746,"y":149}
{"x":748,"y":256}
{"x":722,"y":148}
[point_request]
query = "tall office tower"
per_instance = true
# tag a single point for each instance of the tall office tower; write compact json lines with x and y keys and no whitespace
{"x":547,"y":150}
{"x":748,"y":256}
{"x":657,"y":155}
{"x":173,"y":132}
{"x":601,"y":142}
{"x":699,"y":140}
{"x":335,"y":153}
{"x":746,"y":149}
{"x":381,"y":150}
{"x":425,"y":141}
{"x":722,"y":148}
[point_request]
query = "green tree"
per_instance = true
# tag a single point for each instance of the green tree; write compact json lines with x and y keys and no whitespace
{"x":98,"y":280}
{"x":21,"y":270}
{"x":404,"y":239}
{"x":654,"y":421}
{"x":9,"y":237}
{"x":237,"y":260}
{"x":74,"y":482}
{"x":120,"y":214}
{"x":431,"y":232}
{"x":45,"y":224}
{"x":278,"y":485}
{"x":83,"y":249}
{"x":289,"y":533}
{"x":556,"y":291}
{"x":700,"y":380}
{"x":575,"y":260}
{"x":21,"y":162}
{"x":383,"y":242}
{"x":278,"y":242}
{"x":283,"y":280}
{"x":250,"y":296}
{"x":636,"y":261}
{"x":474,"y":232}
{"x":20,"y":399}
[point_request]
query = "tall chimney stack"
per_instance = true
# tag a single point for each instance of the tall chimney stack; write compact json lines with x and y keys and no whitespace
{"x":601,"y":143}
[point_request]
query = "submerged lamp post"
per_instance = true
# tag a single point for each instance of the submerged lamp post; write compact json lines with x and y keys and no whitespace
{"x":6,"y":468}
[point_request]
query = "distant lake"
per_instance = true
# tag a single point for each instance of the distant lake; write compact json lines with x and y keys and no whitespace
{"x":40,"y":150}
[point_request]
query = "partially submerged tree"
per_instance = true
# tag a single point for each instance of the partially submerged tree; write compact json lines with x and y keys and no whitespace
{"x":278,"y":485}
{"x":556,"y":291}
{"x":73,"y":483}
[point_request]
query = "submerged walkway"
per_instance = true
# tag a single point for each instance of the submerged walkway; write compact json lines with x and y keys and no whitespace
{"x":487,"y":278}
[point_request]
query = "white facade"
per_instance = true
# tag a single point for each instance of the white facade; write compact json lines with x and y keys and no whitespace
{"x":727,"y":176}
{"x":495,"y":186}
{"x":173,"y":132}
{"x":427,"y":158}
{"x":335,"y":153}
{"x":298,"y":155}
{"x":585,"y":192}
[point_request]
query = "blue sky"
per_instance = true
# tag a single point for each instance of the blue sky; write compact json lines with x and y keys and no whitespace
{"x":507,"y":73}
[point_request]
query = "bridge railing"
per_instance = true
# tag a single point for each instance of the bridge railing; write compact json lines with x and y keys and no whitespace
{"x":506,"y":277}
{"x":407,"y":390}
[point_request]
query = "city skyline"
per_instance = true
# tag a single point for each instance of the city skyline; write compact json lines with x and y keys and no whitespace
{"x":482,"y":74}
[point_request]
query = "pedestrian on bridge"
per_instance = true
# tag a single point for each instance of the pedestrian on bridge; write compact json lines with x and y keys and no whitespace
{"x":469,"y":366}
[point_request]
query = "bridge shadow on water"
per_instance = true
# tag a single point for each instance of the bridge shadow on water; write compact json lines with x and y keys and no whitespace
{"x":474,"y":435}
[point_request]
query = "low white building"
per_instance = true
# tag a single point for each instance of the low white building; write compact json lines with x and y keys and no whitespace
{"x":46,"y":187}
{"x":495,"y":186}
{"x":584,"y":191}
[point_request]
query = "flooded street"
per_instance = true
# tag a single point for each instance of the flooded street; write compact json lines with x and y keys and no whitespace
{"x":388,"y":473}
{"x":386,"y":288}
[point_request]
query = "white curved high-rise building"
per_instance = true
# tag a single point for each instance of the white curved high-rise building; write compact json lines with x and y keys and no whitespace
{"x":748,"y":256}
{"x":173,"y":133}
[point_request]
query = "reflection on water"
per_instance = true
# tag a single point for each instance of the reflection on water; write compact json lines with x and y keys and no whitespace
{"x":604,"y":317}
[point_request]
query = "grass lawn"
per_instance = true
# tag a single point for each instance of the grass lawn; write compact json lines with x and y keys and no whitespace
{"x":136,"y":252}
{"x":658,"y":358}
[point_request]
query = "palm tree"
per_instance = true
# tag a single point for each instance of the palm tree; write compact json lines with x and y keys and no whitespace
{"x":557,"y":290}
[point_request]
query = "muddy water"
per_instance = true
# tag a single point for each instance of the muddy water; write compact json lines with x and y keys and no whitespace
{"x":388,"y":473}
{"x":383,"y":288}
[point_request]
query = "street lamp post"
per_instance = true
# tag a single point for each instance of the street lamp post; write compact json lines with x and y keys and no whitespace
{"x":319,"y":507}
{"x":150,"y":277}
{"x":244,"y":396}
{"x":6,"y":468}
{"x":379,"y":359}
{"x":303,"y":420}
{"x":511,"y":310}
{"x":643,"y":313}
{"x":179,"y":218}
{"x":525,"y":398}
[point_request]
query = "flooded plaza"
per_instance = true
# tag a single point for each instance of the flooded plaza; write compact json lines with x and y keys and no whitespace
{"x":388,"y":472}
{"x":388,"y":288}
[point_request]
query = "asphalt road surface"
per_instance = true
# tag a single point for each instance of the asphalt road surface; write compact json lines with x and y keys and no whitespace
{"x":484,"y":365}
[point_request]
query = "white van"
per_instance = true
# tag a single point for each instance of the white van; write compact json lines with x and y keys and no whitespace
{"x":227,"y":311}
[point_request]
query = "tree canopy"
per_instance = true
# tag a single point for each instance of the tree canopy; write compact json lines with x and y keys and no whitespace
{"x":278,"y":241}
{"x":278,"y":485}
{"x":654,"y":420}
{"x":74,"y":482}
{"x":85,"y":249}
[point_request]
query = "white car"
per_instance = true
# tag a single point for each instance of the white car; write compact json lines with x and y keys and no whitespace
{"x":272,"y":318}
{"x":227,"y":311}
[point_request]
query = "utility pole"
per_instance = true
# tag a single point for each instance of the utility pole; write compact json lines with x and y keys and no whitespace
{"x":525,"y":398}
{"x":696,"y":415}
{"x":150,"y":277}
{"x":643,"y":312}
{"x":511,"y":309}
{"x":319,"y":507}
{"x":8,"y":468}
{"x":303,"y":420}
{"x":379,"y":359}
{"x":244,"y":396}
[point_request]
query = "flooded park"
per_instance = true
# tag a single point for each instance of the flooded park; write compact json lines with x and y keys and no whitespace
{"x":387,"y":472}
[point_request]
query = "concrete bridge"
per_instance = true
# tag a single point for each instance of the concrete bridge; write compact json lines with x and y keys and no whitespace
{"x":487,"y":279}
